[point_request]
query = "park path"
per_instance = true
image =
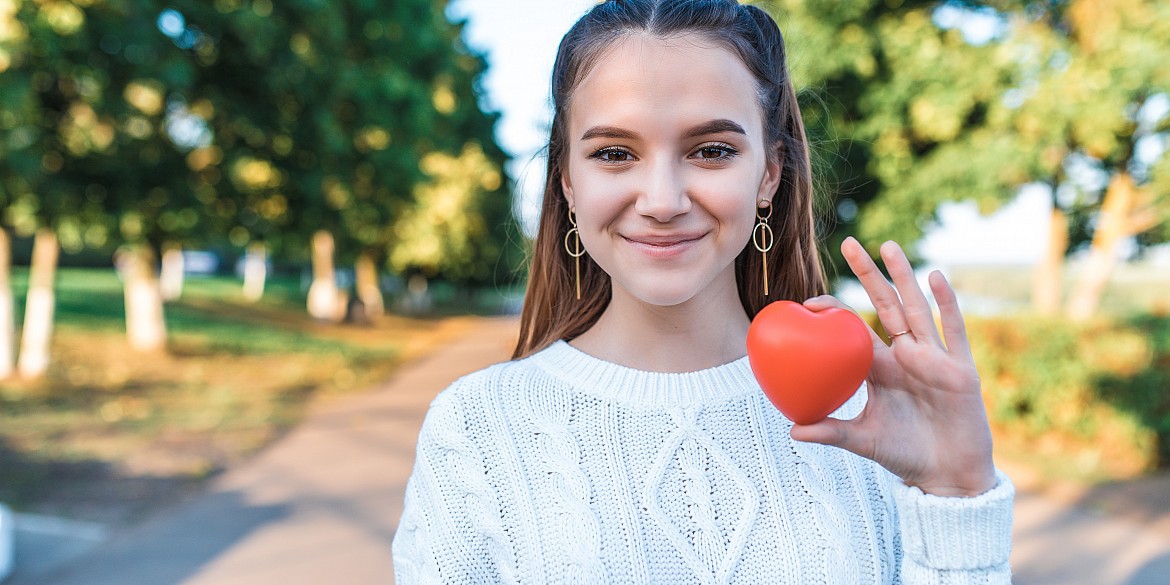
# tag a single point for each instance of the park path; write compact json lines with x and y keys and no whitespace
{"x":321,"y":505}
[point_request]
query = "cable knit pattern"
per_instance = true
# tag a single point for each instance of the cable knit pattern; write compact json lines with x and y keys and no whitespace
{"x":464,"y":485}
{"x":710,"y":539}
{"x":578,"y":534}
{"x":563,"y":468}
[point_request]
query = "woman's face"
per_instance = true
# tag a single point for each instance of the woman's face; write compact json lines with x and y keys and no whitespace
{"x":666,"y":164}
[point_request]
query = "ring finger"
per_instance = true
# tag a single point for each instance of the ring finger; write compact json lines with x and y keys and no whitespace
{"x":915,"y":307}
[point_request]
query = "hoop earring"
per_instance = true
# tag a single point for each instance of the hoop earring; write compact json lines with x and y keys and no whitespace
{"x":763,"y":238}
{"x":575,"y":252}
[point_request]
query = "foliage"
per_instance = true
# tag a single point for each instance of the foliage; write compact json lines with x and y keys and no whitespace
{"x":1092,"y":394}
{"x":84,"y":109}
{"x":1068,"y":94}
{"x":219,"y":123}
{"x":835,"y":55}
{"x":321,"y":113}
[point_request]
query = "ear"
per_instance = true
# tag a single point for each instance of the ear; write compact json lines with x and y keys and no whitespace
{"x":773,"y":172}
{"x":567,"y":189}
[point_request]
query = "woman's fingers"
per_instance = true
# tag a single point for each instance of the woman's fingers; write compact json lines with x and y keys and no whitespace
{"x":953,"y":326}
{"x":881,"y":294}
{"x":915,"y":307}
{"x":822,"y":302}
{"x":829,"y":431}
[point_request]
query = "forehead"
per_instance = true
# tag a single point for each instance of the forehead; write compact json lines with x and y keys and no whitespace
{"x":683,"y":79}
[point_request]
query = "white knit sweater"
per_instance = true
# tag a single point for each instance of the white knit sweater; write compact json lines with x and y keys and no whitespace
{"x":563,"y":468}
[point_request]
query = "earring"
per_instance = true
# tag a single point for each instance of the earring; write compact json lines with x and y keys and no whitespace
{"x":763,"y":238}
{"x":576,"y":252}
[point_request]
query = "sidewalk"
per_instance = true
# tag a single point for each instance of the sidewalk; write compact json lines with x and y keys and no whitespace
{"x":321,"y":506}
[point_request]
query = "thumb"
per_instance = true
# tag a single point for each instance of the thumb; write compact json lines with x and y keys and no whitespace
{"x":829,"y":431}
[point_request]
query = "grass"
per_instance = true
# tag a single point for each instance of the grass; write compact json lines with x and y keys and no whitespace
{"x":108,"y":432}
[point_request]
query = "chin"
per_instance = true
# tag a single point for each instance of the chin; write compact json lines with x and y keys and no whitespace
{"x":663,"y":293}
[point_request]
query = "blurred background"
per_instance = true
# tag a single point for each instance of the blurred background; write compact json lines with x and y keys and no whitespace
{"x":216,"y":212}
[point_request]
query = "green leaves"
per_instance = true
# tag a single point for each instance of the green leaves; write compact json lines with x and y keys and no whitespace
{"x":219,"y":123}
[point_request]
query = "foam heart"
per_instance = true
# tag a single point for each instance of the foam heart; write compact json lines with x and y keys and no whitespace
{"x":807,"y":363}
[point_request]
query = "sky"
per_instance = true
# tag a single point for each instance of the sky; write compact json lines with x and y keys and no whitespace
{"x":520,"y":38}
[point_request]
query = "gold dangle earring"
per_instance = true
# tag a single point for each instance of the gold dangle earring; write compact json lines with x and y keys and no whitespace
{"x":576,"y":252}
{"x":763,"y":238}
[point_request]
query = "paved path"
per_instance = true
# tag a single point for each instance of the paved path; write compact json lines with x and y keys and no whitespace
{"x":321,"y":506}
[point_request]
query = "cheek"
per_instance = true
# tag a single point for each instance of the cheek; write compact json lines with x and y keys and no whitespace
{"x":733,"y":201}
{"x":599,"y":198}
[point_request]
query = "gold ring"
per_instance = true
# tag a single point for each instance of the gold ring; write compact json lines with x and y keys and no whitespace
{"x":893,"y":335}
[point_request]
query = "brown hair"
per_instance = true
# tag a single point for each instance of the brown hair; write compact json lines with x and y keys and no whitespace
{"x":551,"y":309}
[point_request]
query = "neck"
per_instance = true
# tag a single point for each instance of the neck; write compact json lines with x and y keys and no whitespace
{"x":706,"y":331}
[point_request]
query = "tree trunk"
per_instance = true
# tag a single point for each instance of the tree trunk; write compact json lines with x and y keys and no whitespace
{"x":146,"y":329}
{"x":38,"y":311}
{"x":7,"y":309}
{"x":255,"y":271}
{"x":418,"y":300}
{"x":1115,"y":223}
{"x":324,"y":301}
{"x":1048,"y":277}
{"x":171,"y":277}
{"x":366,"y":283}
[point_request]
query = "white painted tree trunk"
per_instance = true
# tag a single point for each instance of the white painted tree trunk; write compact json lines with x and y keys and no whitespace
{"x":7,"y":309}
{"x":146,"y":329}
{"x":37,"y":332}
{"x":1048,"y":277}
{"x":324,"y":301}
{"x":366,"y":283}
{"x":255,"y":271}
{"x":171,"y":275}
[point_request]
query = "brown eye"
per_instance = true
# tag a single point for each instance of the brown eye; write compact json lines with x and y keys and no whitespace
{"x":715,"y":152}
{"x":612,"y":155}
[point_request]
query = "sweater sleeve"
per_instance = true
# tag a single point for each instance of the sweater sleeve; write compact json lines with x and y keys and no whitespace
{"x":956,"y":541}
{"x":449,"y":532}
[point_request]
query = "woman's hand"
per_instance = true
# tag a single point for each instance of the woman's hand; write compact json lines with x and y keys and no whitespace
{"x":925,"y":420}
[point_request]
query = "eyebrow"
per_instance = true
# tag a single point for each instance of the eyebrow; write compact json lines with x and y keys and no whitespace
{"x":715,"y":127}
{"x":712,"y":127}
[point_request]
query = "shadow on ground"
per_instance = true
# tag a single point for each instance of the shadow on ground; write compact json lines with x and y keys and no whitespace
{"x":170,"y":551}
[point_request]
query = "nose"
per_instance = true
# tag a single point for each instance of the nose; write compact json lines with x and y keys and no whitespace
{"x":664,"y":195}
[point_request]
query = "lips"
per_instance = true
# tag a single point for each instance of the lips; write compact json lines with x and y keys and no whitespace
{"x":663,"y":241}
{"x":663,"y":246}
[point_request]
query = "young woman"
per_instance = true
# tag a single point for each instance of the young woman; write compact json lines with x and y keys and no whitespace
{"x":628,"y":441}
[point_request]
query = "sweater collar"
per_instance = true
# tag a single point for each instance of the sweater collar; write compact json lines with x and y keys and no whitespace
{"x":611,"y":381}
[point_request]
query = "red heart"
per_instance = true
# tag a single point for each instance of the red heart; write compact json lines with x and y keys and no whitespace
{"x":808,"y":363}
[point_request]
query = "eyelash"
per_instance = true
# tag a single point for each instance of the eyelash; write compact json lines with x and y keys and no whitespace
{"x":601,"y":153}
{"x":728,"y":151}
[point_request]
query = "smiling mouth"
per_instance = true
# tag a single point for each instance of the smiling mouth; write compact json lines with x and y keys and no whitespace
{"x":662,"y":241}
{"x":664,"y":247}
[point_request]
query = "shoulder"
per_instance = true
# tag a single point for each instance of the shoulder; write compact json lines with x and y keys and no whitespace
{"x":496,"y":380}
{"x":496,"y":392}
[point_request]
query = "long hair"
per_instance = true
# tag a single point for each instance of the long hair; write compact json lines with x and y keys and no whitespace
{"x":551,"y":309}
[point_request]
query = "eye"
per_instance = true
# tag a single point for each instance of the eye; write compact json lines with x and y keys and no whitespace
{"x":715,"y":152}
{"x":612,"y":154}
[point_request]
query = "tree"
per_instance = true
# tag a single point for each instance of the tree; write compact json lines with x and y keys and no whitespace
{"x":835,"y":55}
{"x":1064,"y":94}
{"x":320,"y":113}
{"x":83,"y":100}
